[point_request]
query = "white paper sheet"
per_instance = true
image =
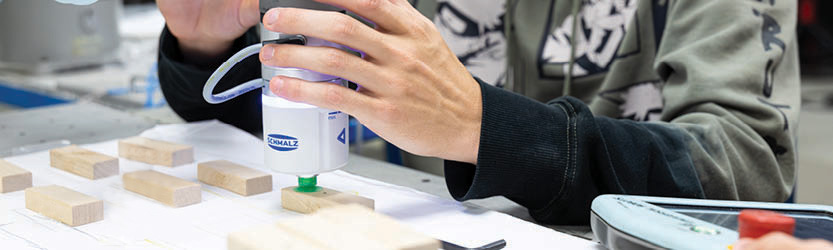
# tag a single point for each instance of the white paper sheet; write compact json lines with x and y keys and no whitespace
{"x":132,"y":221}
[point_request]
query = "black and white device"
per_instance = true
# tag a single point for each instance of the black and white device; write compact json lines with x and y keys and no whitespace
{"x":642,"y":222}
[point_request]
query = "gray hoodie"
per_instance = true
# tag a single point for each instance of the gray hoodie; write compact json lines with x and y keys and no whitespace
{"x":723,"y":72}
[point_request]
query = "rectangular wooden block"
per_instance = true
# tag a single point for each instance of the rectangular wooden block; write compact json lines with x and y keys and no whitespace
{"x":340,"y":227}
{"x":268,"y":237}
{"x":164,"y":188}
{"x":13,"y":178}
{"x":64,"y":205}
{"x":155,"y":152}
{"x":310,"y":202}
{"x":233,"y":177}
{"x":83,"y":162}
{"x":321,"y":232}
{"x":376,"y":227}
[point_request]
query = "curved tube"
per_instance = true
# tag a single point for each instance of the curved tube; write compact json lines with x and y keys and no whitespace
{"x":208,"y":90}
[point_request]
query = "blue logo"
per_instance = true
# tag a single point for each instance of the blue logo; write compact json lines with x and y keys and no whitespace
{"x":282,"y":142}
{"x":341,"y":137}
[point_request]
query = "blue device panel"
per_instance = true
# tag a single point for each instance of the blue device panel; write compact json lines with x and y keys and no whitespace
{"x":25,"y":98}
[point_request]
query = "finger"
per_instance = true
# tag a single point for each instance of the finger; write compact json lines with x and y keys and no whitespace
{"x":331,"y":26}
{"x":323,"y":94}
{"x":385,"y":14}
{"x":330,"y":61}
{"x":775,"y":240}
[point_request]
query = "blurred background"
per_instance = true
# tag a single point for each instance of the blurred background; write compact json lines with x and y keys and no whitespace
{"x":94,"y":78}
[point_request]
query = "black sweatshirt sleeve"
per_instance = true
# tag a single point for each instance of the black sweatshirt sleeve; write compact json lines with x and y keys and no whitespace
{"x":182,"y":85}
{"x":555,"y":158}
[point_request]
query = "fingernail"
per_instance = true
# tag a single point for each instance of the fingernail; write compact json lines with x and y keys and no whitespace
{"x":277,"y":84}
{"x":267,"y":52}
{"x":271,"y":16}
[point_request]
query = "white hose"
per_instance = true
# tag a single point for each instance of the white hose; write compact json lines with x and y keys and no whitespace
{"x":208,"y":90}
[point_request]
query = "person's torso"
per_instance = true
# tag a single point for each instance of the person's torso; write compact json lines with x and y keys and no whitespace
{"x":526,"y":46}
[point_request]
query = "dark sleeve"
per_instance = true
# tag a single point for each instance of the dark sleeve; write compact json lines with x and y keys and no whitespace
{"x":182,"y":85}
{"x":555,"y":158}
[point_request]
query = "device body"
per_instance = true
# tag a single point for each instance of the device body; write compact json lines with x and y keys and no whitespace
{"x":302,"y":139}
{"x":645,"y":222}
{"x":299,"y":138}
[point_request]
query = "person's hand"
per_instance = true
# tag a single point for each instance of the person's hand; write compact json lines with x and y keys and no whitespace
{"x":779,"y":240}
{"x":414,"y":91}
{"x":207,"y":28}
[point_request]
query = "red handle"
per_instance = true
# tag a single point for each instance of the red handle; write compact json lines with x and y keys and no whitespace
{"x":754,"y":223}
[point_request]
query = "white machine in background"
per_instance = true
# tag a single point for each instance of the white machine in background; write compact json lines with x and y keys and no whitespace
{"x":40,"y":36}
{"x":299,"y":139}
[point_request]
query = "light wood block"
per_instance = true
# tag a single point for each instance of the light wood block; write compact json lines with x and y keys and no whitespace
{"x":310,"y":202}
{"x":378,"y":227}
{"x":233,"y":177}
{"x":13,"y":178}
{"x":340,"y":227}
{"x":64,"y":205}
{"x":167,"y":189}
{"x":83,"y":162}
{"x":268,"y":237}
{"x":155,"y":152}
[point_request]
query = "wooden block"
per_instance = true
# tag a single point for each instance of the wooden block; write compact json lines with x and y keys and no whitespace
{"x":268,"y":237}
{"x":310,"y":202}
{"x":233,"y":177}
{"x":164,"y":188}
{"x":378,"y":227}
{"x":84,"y":163}
{"x":64,"y":205}
{"x":356,"y":227}
{"x":319,"y":231}
{"x":155,"y":152}
{"x":13,"y":178}
{"x":340,"y":227}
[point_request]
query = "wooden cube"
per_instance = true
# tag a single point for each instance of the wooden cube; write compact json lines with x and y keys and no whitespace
{"x":310,"y":202}
{"x":13,"y":178}
{"x":83,"y":162}
{"x":341,"y":227}
{"x":233,"y":177}
{"x":64,"y":205}
{"x":155,"y":152}
{"x":268,"y":237}
{"x":167,"y":189}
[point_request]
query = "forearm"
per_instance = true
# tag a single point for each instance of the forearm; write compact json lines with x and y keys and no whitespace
{"x":554,"y":159}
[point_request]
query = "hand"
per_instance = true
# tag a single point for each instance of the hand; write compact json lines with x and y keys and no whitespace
{"x":414,"y":91}
{"x":779,"y":240}
{"x":207,"y":28}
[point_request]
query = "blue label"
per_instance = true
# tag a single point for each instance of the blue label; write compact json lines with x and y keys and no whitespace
{"x":282,"y":142}
{"x":341,"y":137}
{"x":331,"y":115}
